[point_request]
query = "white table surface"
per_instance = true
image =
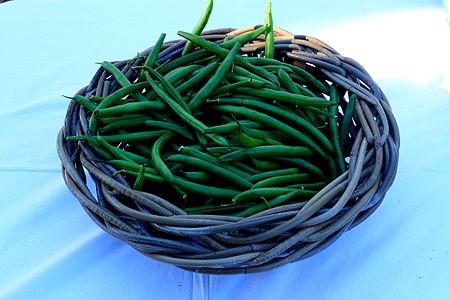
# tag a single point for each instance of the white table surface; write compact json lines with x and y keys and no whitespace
{"x":50,"y":249}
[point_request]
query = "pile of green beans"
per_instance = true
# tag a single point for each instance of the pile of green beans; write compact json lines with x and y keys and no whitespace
{"x":216,"y":131}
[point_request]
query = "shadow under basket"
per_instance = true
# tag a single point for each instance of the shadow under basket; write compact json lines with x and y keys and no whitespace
{"x":217,"y":244}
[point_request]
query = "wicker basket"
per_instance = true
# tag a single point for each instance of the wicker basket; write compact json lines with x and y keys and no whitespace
{"x":269,"y":239}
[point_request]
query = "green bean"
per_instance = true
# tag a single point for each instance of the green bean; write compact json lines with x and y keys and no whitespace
{"x":153,"y":55}
{"x":301,"y":72}
{"x":332,"y":168}
{"x":210,"y":167}
{"x":138,"y":183}
{"x":244,"y":167}
{"x":116,"y":152}
{"x":300,"y":100}
{"x":332,"y":125}
{"x":147,"y":176}
{"x":248,"y":141}
{"x":230,"y":127}
{"x":213,"y":160}
{"x":226,"y":89}
{"x":200,"y":25}
{"x":264,"y":118}
{"x":167,"y":86}
{"x":93,"y":142}
{"x":83,"y":101}
{"x":159,"y":164}
{"x":269,"y":174}
{"x":213,"y":208}
{"x":268,"y":204}
{"x":303,"y":90}
{"x":129,"y":117}
{"x":263,"y":134}
{"x":269,"y":44}
{"x":202,"y":74}
{"x":316,"y":186}
{"x":95,"y":99}
{"x":124,"y":164}
{"x":182,"y":72}
{"x":215,"y":80}
{"x":124,"y":137}
{"x":176,"y":108}
{"x":260,"y":193}
{"x":130,"y":108}
{"x":244,"y":38}
{"x":240,"y":71}
{"x":171,"y":127}
{"x":250,"y":81}
{"x":303,"y":165}
{"x":267,"y":151}
{"x":183,"y":61}
{"x":222,"y":150}
{"x":199,"y":176}
{"x":121,"y":79}
{"x":112,"y":98}
{"x":347,"y":120}
{"x":281,"y":180}
{"x":265,"y":165}
{"x":287,"y":82}
{"x":124,"y":123}
{"x":222,"y":52}
{"x":203,"y":190}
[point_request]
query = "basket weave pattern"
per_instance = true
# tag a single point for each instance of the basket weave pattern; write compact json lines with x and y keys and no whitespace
{"x":269,"y":239}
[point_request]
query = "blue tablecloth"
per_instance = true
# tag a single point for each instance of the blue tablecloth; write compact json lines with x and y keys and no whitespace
{"x":50,"y":249}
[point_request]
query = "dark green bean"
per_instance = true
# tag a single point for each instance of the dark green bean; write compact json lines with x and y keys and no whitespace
{"x":167,"y":86}
{"x":124,"y":164}
{"x":121,"y":79}
{"x":316,"y":186}
{"x":260,"y":193}
{"x":215,"y":80}
{"x":198,"y":176}
{"x":172,"y":127}
{"x":139,"y":182}
{"x":222,"y":52}
{"x":210,"y":167}
{"x":213,"y":160}
{"x":301,"y":72}
{"x":231,"y":127}
{"x":282,"y":96}
{"x":268,"y":151}
{"x":124,"y":137}
{"x":273,"y":110}
{"x":244,"y":38}
{"x":274,"y":173}
{"x":332,"y":125}
{"x":120,"y":153}
{"x":183,"y":61}
{"x":347,"y":120}
{"x":281,"y":180}
{"x":303,"y":165}
{"x":130,"y":108}
{"x":268,"y":204}
{"x":265,"y":165}
{"x":153,"y":55}
{"x":83,"y":101}
{"x":202,"y":74}
{"x":276,"y":124}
